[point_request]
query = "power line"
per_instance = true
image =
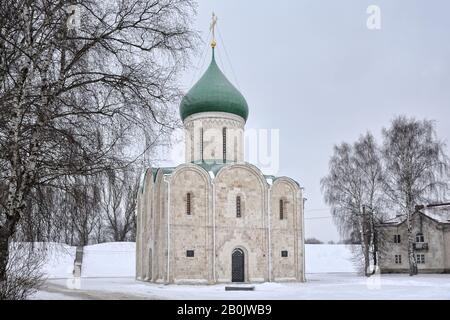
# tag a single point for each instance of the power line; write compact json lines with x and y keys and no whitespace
{"x":219,"y":56}
{"x":314,"y":218}
{"x":201,"y":61}
{"x":316,"y":210}
{"x":228,"y":58}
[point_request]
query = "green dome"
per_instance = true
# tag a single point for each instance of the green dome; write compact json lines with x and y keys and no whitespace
{"x":213,"y":93}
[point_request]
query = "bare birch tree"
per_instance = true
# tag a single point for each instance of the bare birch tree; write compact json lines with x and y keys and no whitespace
{"x":366,"y":183}
{"x":353,"y":189}
{"x":416,"y":169}
{"x":70,"y":92}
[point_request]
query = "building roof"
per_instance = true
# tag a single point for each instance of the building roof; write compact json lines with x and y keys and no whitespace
{"x":213,"y":93}
{"x":438,"y":214}
{"x":165,"y":170}
{"x":212,"y":167}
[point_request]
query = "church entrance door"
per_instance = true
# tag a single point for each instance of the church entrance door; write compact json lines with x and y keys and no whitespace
{"x":237,"y":266}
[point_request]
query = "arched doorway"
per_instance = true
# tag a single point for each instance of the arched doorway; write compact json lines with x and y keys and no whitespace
{"x":237,"y":266}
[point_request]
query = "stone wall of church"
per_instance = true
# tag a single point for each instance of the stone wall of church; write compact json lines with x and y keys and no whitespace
{"x":249,"y":232}
{"x":160,"y":210}
{"x":190,"y":228}
{"x":139,"y":226}
{"x":213,"y":206}
{"x":286,"y":217}
{"x":204,"y":137}
{"x":144,"y":235}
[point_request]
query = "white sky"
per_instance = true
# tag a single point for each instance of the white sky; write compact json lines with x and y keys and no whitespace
{"x":313,"y":70}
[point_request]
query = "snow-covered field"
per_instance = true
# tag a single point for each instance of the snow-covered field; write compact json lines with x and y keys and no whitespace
{"x":108,"y":273}
{"x":319,"y":286}
{"x":117,"y":259}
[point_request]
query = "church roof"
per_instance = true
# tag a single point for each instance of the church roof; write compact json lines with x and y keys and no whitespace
{"x":212,"y":167}
{"x":213,"y":93}
{"x":165,"y":170}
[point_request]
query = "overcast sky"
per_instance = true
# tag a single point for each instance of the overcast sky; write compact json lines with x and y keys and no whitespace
{"x":313,"y":70}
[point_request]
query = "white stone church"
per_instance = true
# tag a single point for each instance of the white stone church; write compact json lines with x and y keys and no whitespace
{"x":216,"y":218}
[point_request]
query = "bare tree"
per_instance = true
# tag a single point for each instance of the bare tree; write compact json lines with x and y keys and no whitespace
{"x":69,"y":95}
{"x":416,"y":169}
{"x":353,"y":189}
{"x":85,"y":208}
{"x":118,"y":201}
{"x":365,"y":183}
{"x":23,"y":270}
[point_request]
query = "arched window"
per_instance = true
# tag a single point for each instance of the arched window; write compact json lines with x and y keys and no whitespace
{"x":238,"y":207}
{"x":224,"y":144}
{"x":420,"y":238}
{"x":282,"y":211}
{"x":188,"y":203}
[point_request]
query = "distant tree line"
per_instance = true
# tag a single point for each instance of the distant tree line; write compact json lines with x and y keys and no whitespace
{"x":370,"y":182}
{"x":317,"y":241}
{"x":86,"y":210}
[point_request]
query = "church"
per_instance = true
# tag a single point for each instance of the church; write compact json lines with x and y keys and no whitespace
{"x":216,"y":218}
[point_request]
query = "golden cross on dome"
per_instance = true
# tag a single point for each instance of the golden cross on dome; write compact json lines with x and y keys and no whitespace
{"x":212,"y":28}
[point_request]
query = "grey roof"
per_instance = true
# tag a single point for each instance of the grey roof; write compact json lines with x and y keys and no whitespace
{"x":438,"y":214}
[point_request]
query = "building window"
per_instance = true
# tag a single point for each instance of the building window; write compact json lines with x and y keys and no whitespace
{"x":420,"y":258}
{"x":188,"y":204}
{"x":397,"y":238}
{"x":224,"y":145}
{"x":398,"y":259}
{"x":190,"y":253}
{"x":420,"y":238}
{"x":238,"y":207}
{"x":284,"y":254}
{"x":282,"y":211}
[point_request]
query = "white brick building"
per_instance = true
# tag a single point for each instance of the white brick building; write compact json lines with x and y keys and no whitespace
{"x":216,"y":218}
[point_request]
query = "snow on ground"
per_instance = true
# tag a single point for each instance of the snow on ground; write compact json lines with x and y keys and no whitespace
{"x":116,"y":259}
{"x":108,"y":273}
{"x":319,"y":286}
{"x":59,"y":261}
{"x":328,"y":258}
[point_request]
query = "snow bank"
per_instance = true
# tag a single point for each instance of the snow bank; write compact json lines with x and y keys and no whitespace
{"x":113,"y":259}
{"x":117,"y":259}
{"x":328,"y":258}
{"x":59,"y":260}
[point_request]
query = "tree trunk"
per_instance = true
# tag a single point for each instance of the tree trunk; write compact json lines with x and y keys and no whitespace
{"x":375,"y":250}
{"x":365,"y":242}
{"x":411,"y":257}
{"x":6,"y":232}
{"x":4,"y":254}
{"x":365,"y":252}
